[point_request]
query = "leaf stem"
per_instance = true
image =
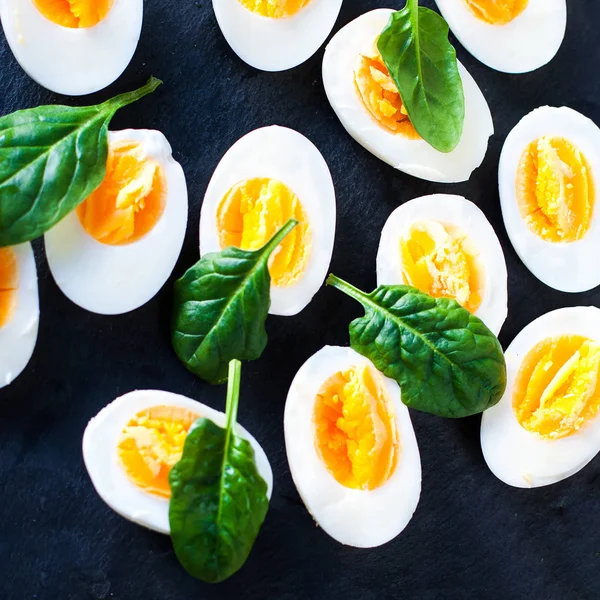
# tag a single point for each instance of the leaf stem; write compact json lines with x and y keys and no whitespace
{"x":233,"y":392}
{"x":414,"y":22}
{"x":278,"y":238}
{"x":130,"y":97}
{"x":345,"y":287}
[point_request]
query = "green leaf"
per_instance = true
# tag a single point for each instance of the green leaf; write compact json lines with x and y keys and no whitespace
{"x":51,"y":159}
{"x":221,"y":305}
{"x":446,"y":360}
{"x":218,"y":498}
{"x":422,"y":62}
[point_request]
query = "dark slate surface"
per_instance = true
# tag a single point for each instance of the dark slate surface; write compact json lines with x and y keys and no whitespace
{"x":472,"y":537}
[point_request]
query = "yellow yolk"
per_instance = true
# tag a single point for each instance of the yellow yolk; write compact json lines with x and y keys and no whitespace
{"x":356,"y":434}
{"x":9,"y":283}
{"x":380,"y":95}
{"x":556,"y":390}
{"x":74,"y":13}
{"x":497,"y":12}
{"x":151,"y":443}
{"x":252,"y":212}
{"x":130,"y":200}
{"x":276,"y":9}
{"x":555,"y":190}
{"x":441,"y":261}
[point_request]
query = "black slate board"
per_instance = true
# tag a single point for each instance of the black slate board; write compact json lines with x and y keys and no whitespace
{"x":472,"y":537}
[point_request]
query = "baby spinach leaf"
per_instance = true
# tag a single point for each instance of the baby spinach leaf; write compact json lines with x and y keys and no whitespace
{"x":422,"y":62}
{"x":51,"y":159}
{"x":218,"y":498}
{"x":221,"y":305}
{"x":446,"y":360}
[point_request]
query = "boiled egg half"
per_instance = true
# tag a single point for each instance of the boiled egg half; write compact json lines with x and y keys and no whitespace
{"x":274,"y":35}
{"x":267,"y":177}
{"x":513,"y":36}
{"x":547,"y":176}
{"x":73,"y":47}
{"x":19,"y":310}
{"x":118,"y":248}
{"x":547,"y":427}
{"x":351,"y":448}
{"x":130,"y":446}
{"x":445,"y":246}
{"x":367,"y":102}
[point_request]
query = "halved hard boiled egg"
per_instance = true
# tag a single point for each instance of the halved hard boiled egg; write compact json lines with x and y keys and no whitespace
{"x":513,"y":36}
{"x":547,"y":427}
{"x":445,"y":246}
{"x":548,"y":170}
{"x":19,"y":310}
{"x":72,"y":47}
{"x":130,"y":446}
{"x":351,"y":448}
{"x":366,"y":100}
{"x":118,"y":248}
{"x":270,"y":175}
{"x":274,"y":35}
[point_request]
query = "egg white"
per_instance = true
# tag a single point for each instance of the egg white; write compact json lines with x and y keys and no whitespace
{"x":460,"y":212}
{"x":286,"y":155}
{"x":360,"y":518}
{"x":272,"y":44}
{"x":100,"y":454}
{"x":111,"y":280}
{"x":568,"y":267}
{"x":525,"y":44}
{"x":517,"y":456}
{"x":19,"y":334}
{"x":69,"y":61}
{"x":415,"y":157}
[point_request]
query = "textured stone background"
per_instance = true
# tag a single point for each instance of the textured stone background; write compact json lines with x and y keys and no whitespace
{"x":472,"y":537}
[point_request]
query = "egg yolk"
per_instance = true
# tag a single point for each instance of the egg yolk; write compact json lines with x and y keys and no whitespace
{"x":380,"y":95}
{"x":9,"y":283}
{"x":74,"y":13}
{"x":151,"y":444}
{"x":276,"y":9}
{"x":130,"y":200}
{"x":356,"y":434}
{"x":440,"y":260}
{"x":556,"y":389}
{"x":497,"y":12}
{"x":555,"y":190}
{"x":252,"y":212}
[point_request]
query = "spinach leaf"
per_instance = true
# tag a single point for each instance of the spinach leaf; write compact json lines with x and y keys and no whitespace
{"x":51,"y":159}
{"x":218,"y":498}
{"x":415,"y":49}
{"x":446,"y":360}
{"x":221,"y":305}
